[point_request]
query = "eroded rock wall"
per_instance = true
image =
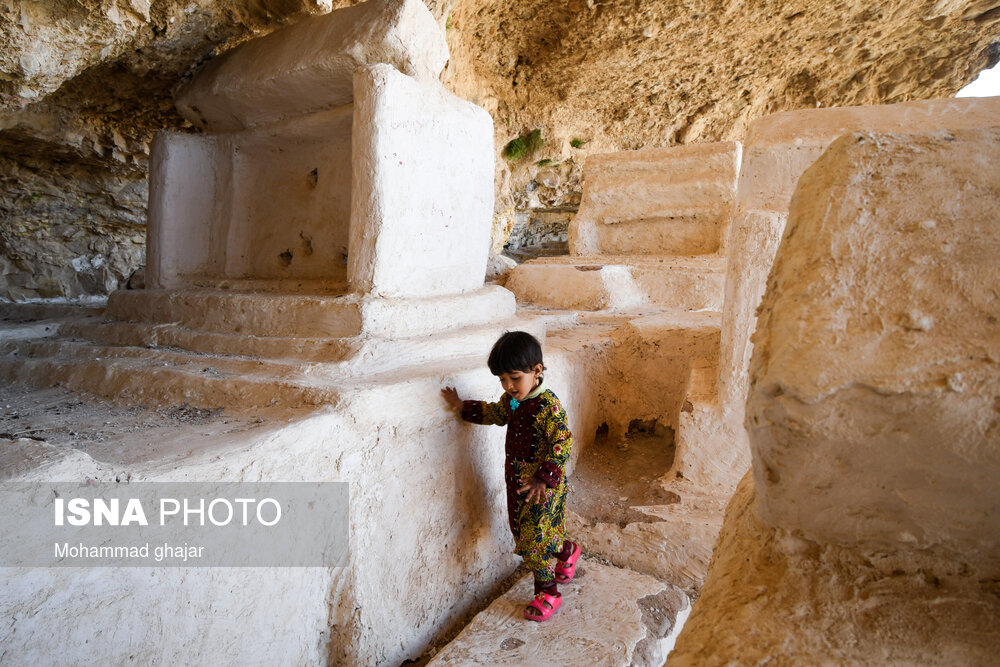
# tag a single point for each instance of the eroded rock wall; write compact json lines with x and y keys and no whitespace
{"x":773,"y":598}
{"x":878,"y":342}
{"x":84,"y":86}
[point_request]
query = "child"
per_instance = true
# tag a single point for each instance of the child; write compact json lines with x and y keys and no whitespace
{"x":538,"y":448}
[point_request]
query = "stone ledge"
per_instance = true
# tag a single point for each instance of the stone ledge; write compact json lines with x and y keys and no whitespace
{"x":607,"y":612}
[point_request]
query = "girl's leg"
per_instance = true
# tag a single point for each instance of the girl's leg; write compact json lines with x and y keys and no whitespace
{"x":545,"y":580}
{"x":566,"y":560}
{"x":567,"y":551}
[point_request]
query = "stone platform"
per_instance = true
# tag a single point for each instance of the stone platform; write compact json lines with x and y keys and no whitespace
{"x":217,"y":347}
{"x":657,"y":201}
{"x":609,"y":616}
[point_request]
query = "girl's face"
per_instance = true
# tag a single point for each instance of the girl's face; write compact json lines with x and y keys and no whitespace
{"x":518,"y":384}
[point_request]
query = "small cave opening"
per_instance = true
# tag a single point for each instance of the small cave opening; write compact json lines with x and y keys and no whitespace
{"x":616,"y":475}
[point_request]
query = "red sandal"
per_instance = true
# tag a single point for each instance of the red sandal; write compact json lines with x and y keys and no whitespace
{"x":544,"y":613}
{"x":565,"y":573}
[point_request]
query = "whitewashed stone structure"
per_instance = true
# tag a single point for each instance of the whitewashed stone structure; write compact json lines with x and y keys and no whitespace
{"x":322,"y":240}
{"x":330,"y":155}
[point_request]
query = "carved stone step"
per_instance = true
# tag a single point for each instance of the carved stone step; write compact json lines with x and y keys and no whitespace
{"x":607,"y":281}
{"x":608,"y":616}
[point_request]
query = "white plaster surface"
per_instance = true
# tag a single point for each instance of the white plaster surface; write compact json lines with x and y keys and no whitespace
{"x":268,"y":203}
{"x":599,"y":623}
{"x":333,"y":154}
{"x":422,"y":195}
{"x":310,"y":315}
{"x":183,"y":170}
{"x":428,"y":526}
{"x":873,"y":409}
{"x":309,"y":66}
{"x":202,"y":348}
{"x":366,"y":613}
{"x":285,"y":210}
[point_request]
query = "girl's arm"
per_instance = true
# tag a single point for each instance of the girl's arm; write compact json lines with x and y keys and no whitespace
{"x":481,"y":412}
{"x":478,"y":412}
{"x":557,"y":445}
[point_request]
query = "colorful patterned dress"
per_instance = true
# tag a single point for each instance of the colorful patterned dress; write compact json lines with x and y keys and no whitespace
{"x":538,"y":445}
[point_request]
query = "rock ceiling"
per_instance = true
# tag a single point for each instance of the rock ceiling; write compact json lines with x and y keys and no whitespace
{"x":85,"y":83}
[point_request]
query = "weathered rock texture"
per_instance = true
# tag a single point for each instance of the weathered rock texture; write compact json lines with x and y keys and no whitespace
{"x":773,"y":598}
{"x":84,"y":85}
{"x":873,"y":420}
{"x":877,"y":358}
{"x":777,"y":150}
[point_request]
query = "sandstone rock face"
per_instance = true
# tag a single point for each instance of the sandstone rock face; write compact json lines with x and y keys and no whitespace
{"x":772,"y":598}
{"x":85,"y":85}
{"x":68,"y":229}
{"x":633,"y":75}
{"x":778,"y":149}
{"x":873,"y":411}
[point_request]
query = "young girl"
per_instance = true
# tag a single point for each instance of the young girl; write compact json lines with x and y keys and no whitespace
{"x":538,"y":448}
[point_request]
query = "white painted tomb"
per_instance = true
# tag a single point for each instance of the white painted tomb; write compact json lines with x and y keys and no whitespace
{"x":328,"y":366}
{"x":335,"y":209}
{"x":323,"y":199}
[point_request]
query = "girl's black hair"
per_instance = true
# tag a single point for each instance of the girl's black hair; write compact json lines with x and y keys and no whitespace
{"x":515,"y":351}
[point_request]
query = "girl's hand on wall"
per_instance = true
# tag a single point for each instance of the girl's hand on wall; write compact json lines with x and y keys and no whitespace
{"x":450,"y":396}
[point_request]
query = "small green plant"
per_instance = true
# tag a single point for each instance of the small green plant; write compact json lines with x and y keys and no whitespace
{"x":534,"y":140}
{"x":523,"y":145}
{"x":515,"y":149}
{"x":544,"y":163}
{"x":447,"y":23}
{"x":577,"y":143}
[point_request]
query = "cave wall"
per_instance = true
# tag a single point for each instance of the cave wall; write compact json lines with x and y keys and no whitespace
{"x":85,"y":84}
